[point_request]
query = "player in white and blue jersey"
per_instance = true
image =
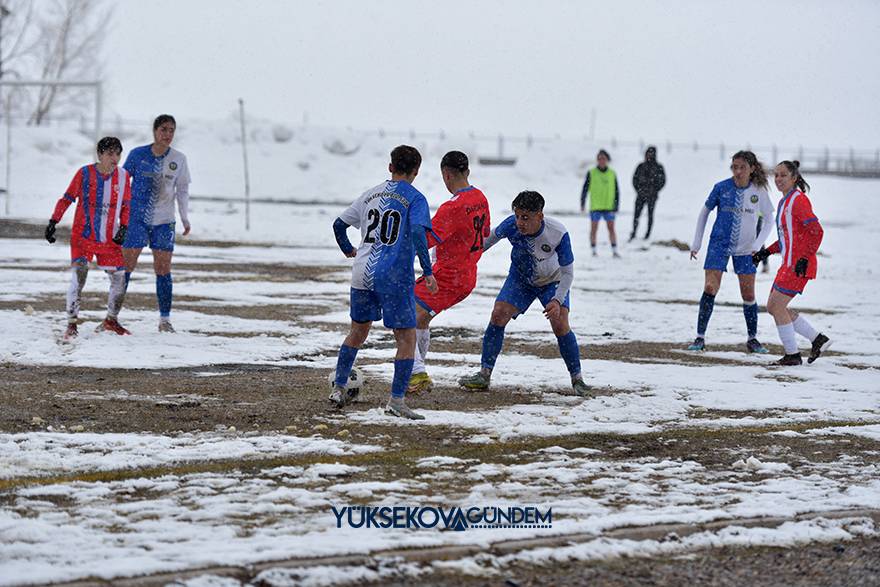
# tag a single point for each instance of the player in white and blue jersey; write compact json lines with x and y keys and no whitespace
{"x":739,"y":202}
{"x":542,"y":268}
{"x":393,"y":218}
{"x":159,"y":178}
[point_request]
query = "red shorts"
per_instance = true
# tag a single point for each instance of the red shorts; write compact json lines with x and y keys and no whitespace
{"x":788,"y":283}
{"x":109,"y":255}
{"x":453,"y":286}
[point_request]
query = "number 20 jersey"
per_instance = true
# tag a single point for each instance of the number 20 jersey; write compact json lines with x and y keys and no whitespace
{"x":386,"y":215}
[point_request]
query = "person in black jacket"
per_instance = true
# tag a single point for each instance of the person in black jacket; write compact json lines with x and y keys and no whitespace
{"x":648,"y":179}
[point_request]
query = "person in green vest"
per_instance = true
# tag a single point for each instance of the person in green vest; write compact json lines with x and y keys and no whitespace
{"x":601,"y":185}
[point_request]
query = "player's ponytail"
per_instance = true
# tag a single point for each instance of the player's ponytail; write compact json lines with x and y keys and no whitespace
{"x":759,"y":174}
{"x":794,"y":168}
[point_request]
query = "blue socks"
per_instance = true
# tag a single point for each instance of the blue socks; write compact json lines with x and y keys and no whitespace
{"x":402,"y":373}
{"x":707,"y":304}
{"x":493,"y":340}
{"x":163,"y":292}
{"x":344,"y":363}
{"x":568,"y":348}
{"x":751,"y":314}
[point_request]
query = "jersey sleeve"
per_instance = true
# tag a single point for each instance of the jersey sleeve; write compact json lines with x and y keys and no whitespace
{"x":125,"y":212}
{"x":564,"y":252}
{"x":443,"y":224}
{"x":712,"y":200}
{"x":352,"y":214}
{"x":129,"y":164}
{"x":70,"y":196}
{"x":507,"y":228}
{"x":181,"y":192}
{"x":419,"y":213}
{"x":803,"y":214}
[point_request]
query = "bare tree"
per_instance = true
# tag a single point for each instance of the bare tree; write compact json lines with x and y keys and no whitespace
{"x":16,"y":36}
{"x":70,"y":36}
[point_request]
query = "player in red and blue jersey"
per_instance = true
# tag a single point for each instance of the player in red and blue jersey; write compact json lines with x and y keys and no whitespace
{"x":394,"y":221}
{"x":800,"y":235}
{"x":102,"y":193}
{"x":160,"y":177}
{"x":459,"y":228}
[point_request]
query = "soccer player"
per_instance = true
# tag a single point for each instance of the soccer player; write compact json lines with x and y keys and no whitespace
{"x":102,"y":193}
{"x":738,"y":202}
{"x":394,"y":221}
{"x":461,"y":224}
{"x":542,"y":267}
{"x":800,"y":235}
{"x":604,"y":191}
{"x":160,"y":175}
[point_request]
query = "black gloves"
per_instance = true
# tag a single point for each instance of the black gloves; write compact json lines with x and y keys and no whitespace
{"x":760,"y":256}
{"x":800,"y":268}
{"x":50,"y":231}
{"x":120,"y":235}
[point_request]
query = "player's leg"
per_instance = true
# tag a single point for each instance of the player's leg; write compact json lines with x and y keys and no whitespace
{"x":79,"y":271}
{"x":112,"y":262}
{"x":652,"y":201}
{"x":640,"y":203}
{"x":594,"y":229}
{"x":707,"y":305}
{"x":777,"y":306}
{"x":493,"y":341}
{"x":819,"y":342}
{"x":420,"y":381}
{"x":136,"y":238}
{"x":745,"y":272}
{"x":162,"y":245}
{"x":365,"y":308}
{"x":612,"y":235}
{"x":399,"y":314}
{"x":566,"y":339}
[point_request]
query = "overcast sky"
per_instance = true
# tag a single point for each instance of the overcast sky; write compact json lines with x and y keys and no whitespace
{"x":784,"y":72}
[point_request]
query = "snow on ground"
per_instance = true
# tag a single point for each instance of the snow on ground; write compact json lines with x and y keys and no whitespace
{"x":185,"y":520}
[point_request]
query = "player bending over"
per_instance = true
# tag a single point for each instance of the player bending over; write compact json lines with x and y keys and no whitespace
{"x":541,"y":266}
{"x":393,"y":218}
{"x":461,"y":224}
{"x":102,"y":193}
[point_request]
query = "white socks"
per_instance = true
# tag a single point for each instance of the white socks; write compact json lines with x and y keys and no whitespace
{"x":117,"y":293}
{"x":78,"y":274}
{"x":786,"y":335}
{"x":804,"y":328}
{"x":423,"y":341}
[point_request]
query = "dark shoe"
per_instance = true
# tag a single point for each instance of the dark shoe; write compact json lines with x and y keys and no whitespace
{"x":632,"y":237}
{"x":71,"y":331}
{"x":820,"y":344}
{"x":794,"y":359}
{"x":753,"y":346}
{"x":699,"y":344}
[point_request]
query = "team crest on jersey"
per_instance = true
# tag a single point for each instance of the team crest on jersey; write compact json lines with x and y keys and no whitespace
{"x":173,"y":166}
{"x":754,"y":198}
{"x":546,"y":248}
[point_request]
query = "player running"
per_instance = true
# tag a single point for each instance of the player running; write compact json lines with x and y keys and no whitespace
{"x":461,"y":224}
{"x":542,"y":267}
{"x":160,"y":175}
{"x":739,"y":201}
{"x":394,"y":219}
{"x":604,"y":191}
{"x":800,"y":235}
{"x":102,"y":193}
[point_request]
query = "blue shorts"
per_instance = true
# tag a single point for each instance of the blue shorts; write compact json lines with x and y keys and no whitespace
{"x":717,"y":260}
{"x":397,"y":310}
{"x":520,"y":294}
{"x":598,"y":215}
{"x":159,"y":237}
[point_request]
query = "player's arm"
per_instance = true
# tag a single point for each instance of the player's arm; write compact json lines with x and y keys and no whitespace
{"x":340,"y":228}
{"x":636,"y":174}
{"x":565,"y":256}
{"x":69,"y":197}
{"x":420,"y":228}
{"x":766,"y":226}
{"x":661,"y":177}
{"x":504,"y":230}
{"x":124,"y":212}
{"x":616,"y":194}
{"x":584,"y":192}
{"x":813,"y":233}
{"x":441,"y":224}
{"x":181,"y":190}
{"x":698,"y":233}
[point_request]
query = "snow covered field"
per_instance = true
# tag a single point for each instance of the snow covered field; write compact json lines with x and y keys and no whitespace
{"x":762,"y":442}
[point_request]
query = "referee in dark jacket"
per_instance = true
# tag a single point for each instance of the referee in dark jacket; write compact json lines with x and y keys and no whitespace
{"x":648,"y":180}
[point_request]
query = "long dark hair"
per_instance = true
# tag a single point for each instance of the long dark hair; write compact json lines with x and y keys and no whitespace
{"x":794,"y":168}
{"x":759,"y":174}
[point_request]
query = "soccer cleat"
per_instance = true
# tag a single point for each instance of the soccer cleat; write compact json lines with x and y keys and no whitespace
{"x":165,"y":326}
{"x":71,"y":331}
{"x":580,"y":388}
{"x":699,"y":344}
{"x":475,"y":382}
{"x":616,"y":255}
{"x":339,"y":397}
{"x":632,"y":237}
{"x":397,"y":407}
{"x":753,"y":346}
{"x":595,"y":254}
{"x":419,"y":382}
{"x":112,"y":325}
{"x":793,"y":359}
{"x":351,"y":395}
{"x":820,"y":344}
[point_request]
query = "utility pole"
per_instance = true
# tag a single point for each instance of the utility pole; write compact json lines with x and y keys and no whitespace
{"x":247,"y":183}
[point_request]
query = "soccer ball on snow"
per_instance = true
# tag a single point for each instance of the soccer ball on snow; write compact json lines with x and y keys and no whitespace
{"x":353,"y":386}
